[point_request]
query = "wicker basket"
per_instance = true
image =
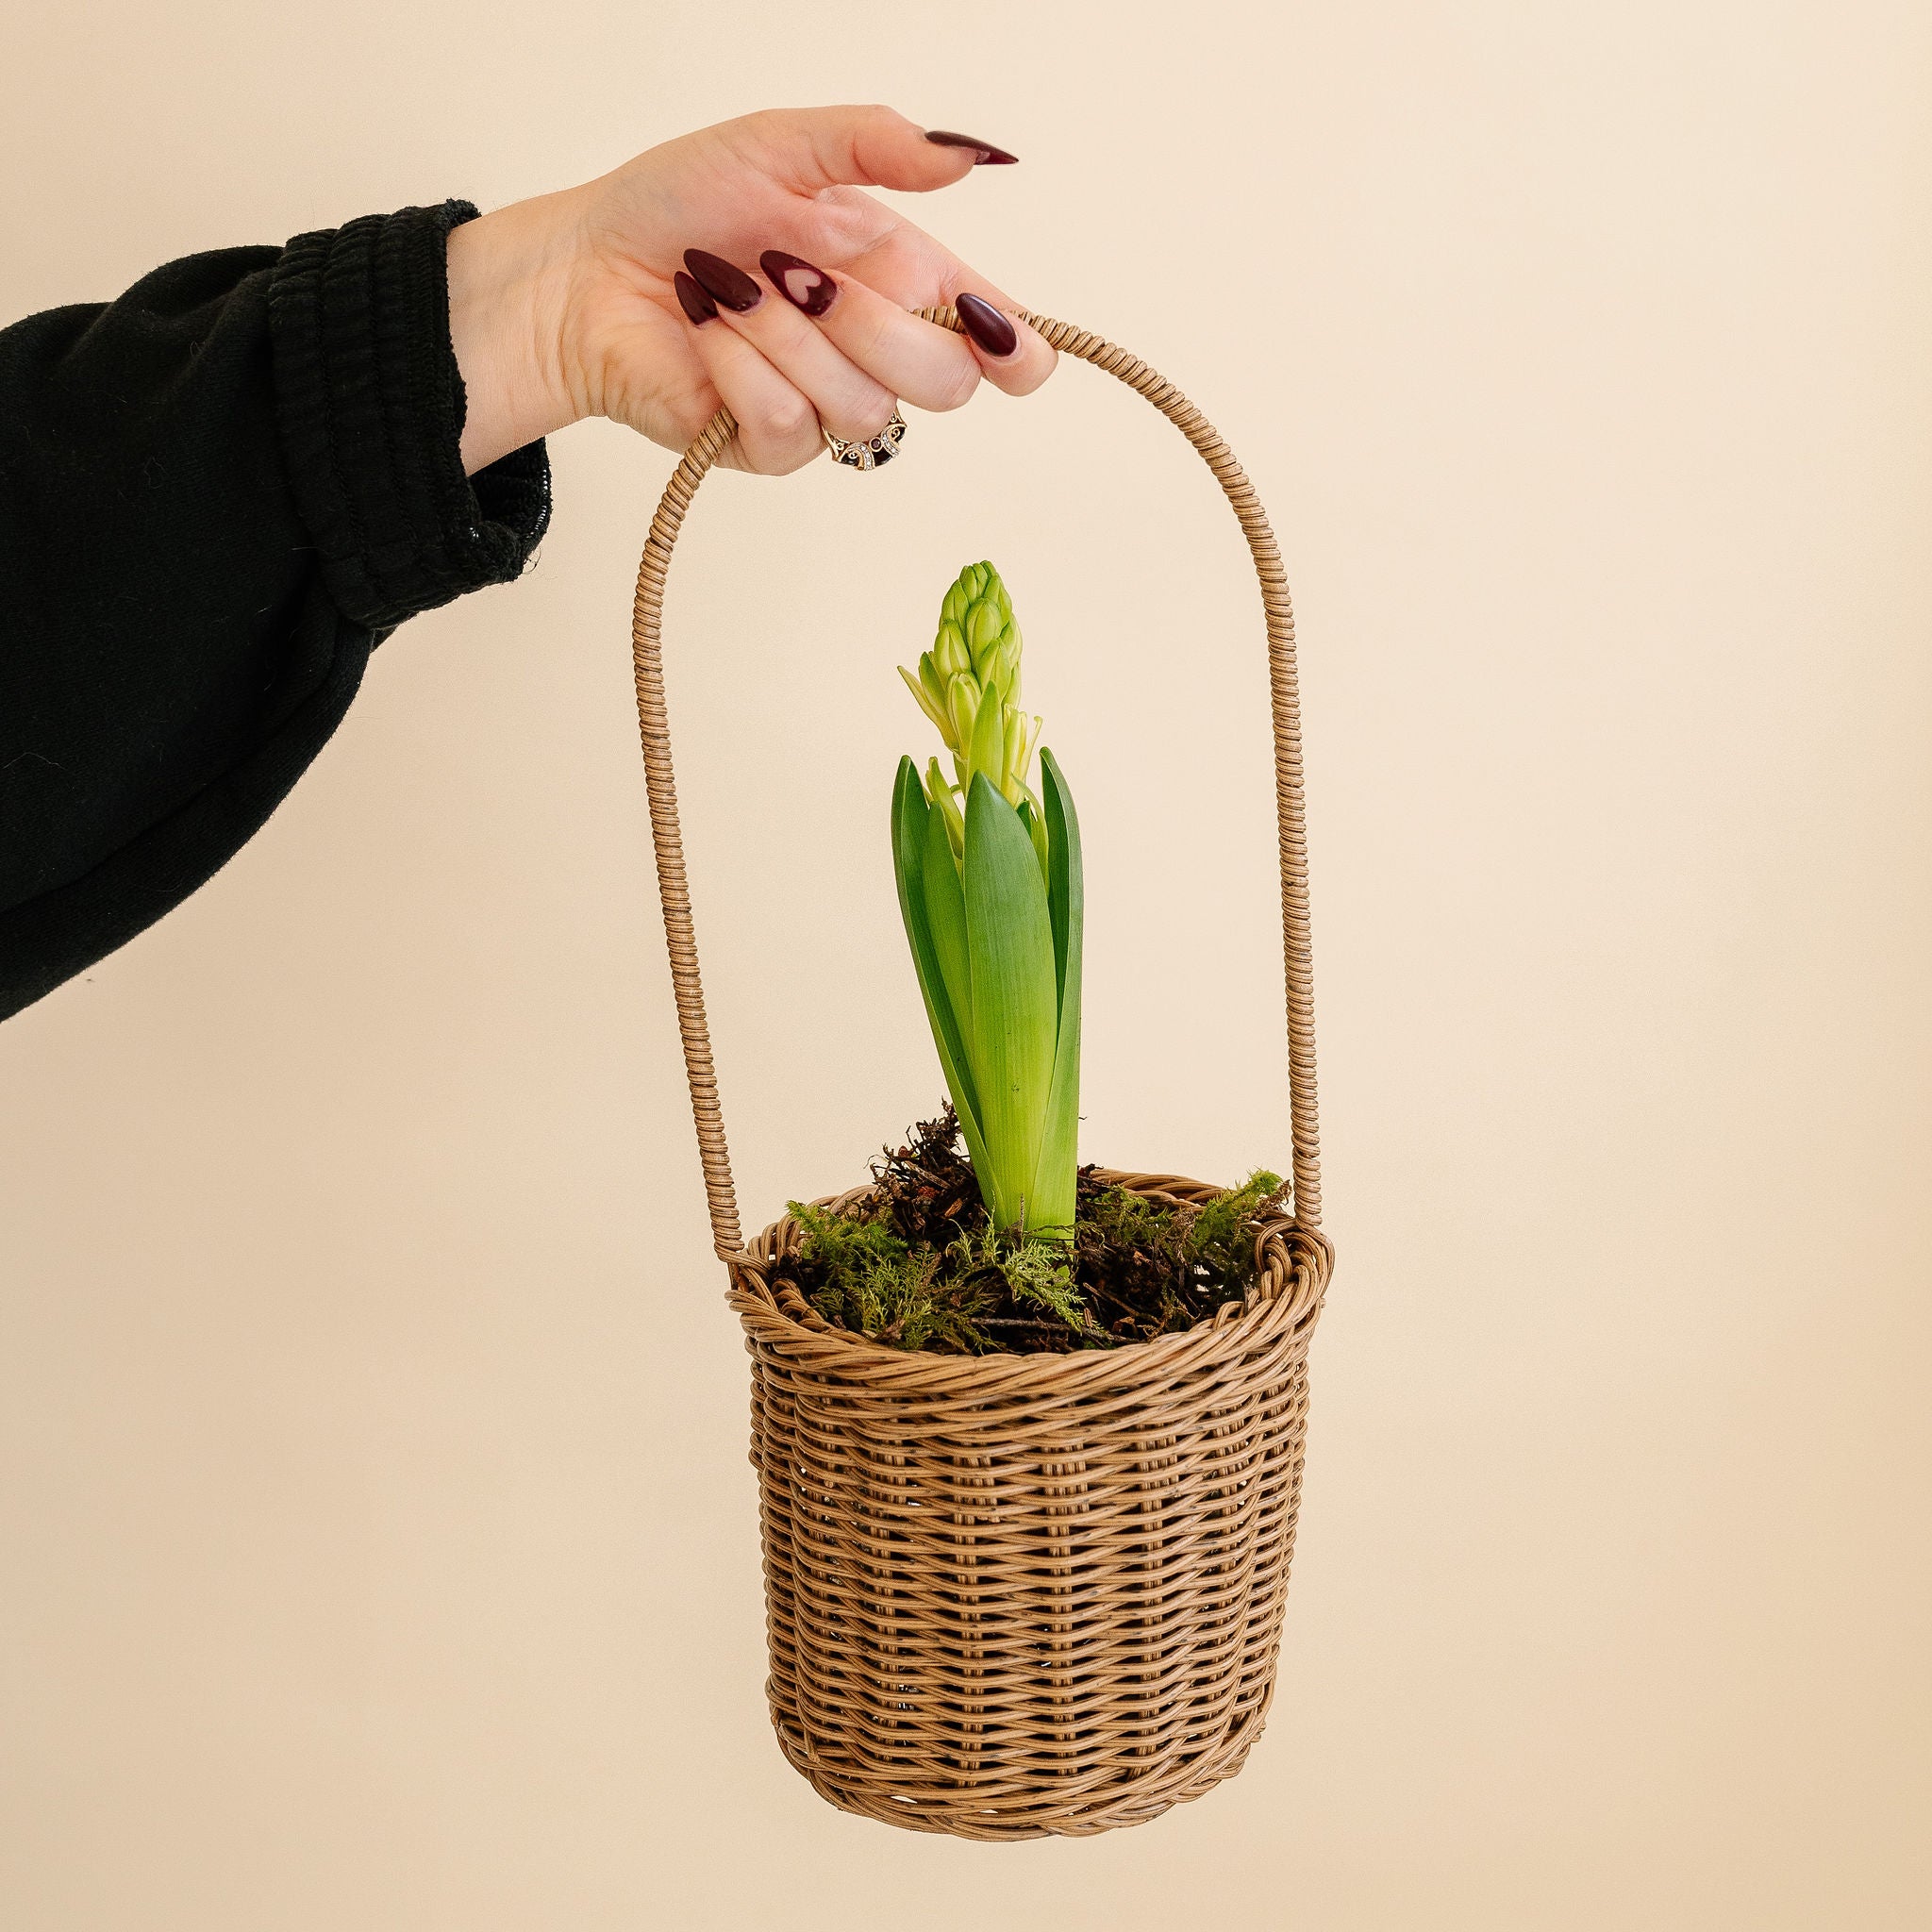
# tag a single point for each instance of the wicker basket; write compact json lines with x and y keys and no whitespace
{"x":1012,"y":1596}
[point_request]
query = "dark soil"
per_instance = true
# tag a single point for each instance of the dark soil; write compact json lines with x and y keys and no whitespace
{"x":914,"y":1264}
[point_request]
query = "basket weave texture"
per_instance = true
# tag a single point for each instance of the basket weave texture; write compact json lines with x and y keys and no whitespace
{"x":1009,"y":1595}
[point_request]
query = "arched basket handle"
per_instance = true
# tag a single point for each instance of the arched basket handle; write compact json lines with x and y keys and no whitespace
{"x":653,"y":726}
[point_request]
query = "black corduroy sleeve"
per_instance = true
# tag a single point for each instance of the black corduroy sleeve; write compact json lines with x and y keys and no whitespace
{"x":217,"y":494}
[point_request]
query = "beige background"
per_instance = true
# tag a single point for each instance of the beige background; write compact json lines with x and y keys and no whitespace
{"x":377,"y":1540}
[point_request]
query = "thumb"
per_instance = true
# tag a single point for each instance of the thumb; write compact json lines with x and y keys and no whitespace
{"x":813,"y":148}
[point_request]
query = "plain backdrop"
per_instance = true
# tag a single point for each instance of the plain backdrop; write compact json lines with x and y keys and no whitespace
{"x":377,"y":1545}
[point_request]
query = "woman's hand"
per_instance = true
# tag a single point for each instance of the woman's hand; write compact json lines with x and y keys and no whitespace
{"x":739,"y":265}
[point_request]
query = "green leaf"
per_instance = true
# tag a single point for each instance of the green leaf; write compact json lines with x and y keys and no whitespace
{"x":911,"y":814}
{"x":1066,"y":884}
{"x":1011,"y":1033}
{"x":945,"y":912}
{"x":1056,"y":1176}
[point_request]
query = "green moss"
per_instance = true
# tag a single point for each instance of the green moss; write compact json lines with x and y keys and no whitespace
{"x":916,"y":1265}
{"x":844,"y":1243}
{"x":1032,"y":1270}
{"x":1218,"y":1236}
{"x":873,"y":1283}
{"x":1126,"y":1220}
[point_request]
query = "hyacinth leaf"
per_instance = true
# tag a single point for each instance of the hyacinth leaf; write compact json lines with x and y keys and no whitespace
{"x":1014,"y":1023}
{"x":1058,"y":1176}
{"x":910,"y":813}
{"x":1066,"y":886}
{"x":945,"y":915}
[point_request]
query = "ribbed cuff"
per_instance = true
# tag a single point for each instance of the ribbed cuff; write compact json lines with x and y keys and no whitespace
{"x":371,"y":407}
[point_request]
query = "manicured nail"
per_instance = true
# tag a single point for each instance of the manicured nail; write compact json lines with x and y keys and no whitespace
{"x":724,"y":281}
{"x":990,"y":328}
{"x":984,"y":154}
{"x":802,"y":285}
{"x":695,"y":303}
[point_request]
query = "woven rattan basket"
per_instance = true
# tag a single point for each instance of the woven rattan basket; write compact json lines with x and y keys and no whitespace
{"x":1010,"y":1596}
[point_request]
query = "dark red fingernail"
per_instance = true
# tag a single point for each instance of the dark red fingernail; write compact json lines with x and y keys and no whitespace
{"x":984,"y":154}
{"x":724,"y":281}
{"x":988,"y":326}
{"x":802,"y":285}
{"x":693,"y":299}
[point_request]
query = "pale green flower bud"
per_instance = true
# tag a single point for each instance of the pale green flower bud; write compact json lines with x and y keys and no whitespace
{"x":962,"y":706}
{"x":969,"y":684}
{"x":986,"y":631}
{"x":940,"y":794}
{"x":1010,"y":664}
{"x":949,"y":647}
{"x":1019,"y":743}
{"x":932,"y":690}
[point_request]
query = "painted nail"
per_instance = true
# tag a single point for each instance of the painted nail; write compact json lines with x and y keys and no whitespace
{"x":802,"y":285}
{"x":988,"y":326}
{"x":724,"y":281}
{"x":984,"y":154}
{"x":693,"y":299}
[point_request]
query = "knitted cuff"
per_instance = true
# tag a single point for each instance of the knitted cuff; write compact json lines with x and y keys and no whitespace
{"x":370,"y":404}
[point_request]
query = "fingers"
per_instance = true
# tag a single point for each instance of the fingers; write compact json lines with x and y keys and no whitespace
{"x":1015,"y":357}
{"x":931,"y":368}
{"x":873,"y":338}
{"x":815,"y":350}
{"x":810,"y":149}
{"x":777,"y":426}
{"x":852,"y":403}
{"x":892,"y":267}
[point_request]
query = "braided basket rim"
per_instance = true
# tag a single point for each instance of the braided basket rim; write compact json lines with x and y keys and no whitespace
{"x":1288,"y":1295}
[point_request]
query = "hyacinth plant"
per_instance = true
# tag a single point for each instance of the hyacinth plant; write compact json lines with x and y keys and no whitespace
{"x":990,"y":886}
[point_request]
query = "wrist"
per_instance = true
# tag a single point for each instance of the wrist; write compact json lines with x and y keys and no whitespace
{"x":512,"y":274}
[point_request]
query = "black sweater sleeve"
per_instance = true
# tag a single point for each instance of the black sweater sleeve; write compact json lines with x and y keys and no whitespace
{"x":217,"y":494}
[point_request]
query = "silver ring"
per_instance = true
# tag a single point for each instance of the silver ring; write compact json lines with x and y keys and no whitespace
{"x":869,"y":452}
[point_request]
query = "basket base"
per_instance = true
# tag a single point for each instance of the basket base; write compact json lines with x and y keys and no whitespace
{"x":1134,"y":1801}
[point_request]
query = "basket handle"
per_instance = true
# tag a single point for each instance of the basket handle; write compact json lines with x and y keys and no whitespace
{"x":655,"y":729}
